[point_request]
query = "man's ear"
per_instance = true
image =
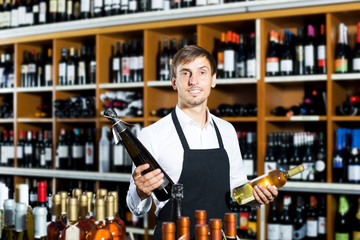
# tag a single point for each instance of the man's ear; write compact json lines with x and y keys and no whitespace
{"x":173,"y":83}
{"x":213,"y":81}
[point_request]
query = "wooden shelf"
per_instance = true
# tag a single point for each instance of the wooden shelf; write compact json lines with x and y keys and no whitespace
{"x":158,"y":83}
{"x":76,"y":120}
{"x":85,"y":175}
{"x":35,"y":89}
{"x":121,"y":85}
{"x":35,"y":120}
{"x":296,"y":119}
{"x":7,"y":90}
{"x":220,"y":81}
{"x":240,"y":119}
{"x":345,"y":76}
{"x":6,"y":120}
{"x":76,"y":87}
{"x":302,"y":78}
{"x":345,"y":118}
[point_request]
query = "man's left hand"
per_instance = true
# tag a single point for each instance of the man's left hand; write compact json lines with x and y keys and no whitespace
{"x":265,"y":195}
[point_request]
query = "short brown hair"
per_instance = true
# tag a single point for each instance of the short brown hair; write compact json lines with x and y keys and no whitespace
{"x":190,"y":53}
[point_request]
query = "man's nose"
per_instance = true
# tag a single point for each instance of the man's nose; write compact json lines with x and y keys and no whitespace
{"x":193,"y":80}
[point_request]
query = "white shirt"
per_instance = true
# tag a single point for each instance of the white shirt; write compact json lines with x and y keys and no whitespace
{"x":162,"y":141}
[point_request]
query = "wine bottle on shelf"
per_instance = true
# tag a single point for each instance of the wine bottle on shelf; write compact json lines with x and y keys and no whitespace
{"x":251,"y":58}
{"x":32,"y":70}
{"x":64,"y":207}
{"x":272,"y":59}
{"x":61,"y":11}
{"x":125,"y":62}
{"x":321,"y":51}
{"x":244,"y":194}
{"x":39,"y":146}
{"x":71,"y":68}
{"x":249,"y":157}
{"x":312,"y":220}
{"x":229,"y":57}
{"x":354,"y":160}
{"x":20,"y":150}
{"x":164,"y":72}
{"x":14,"y":14}
{"x":22,"y":13}
{"x":24,"y":70}
{"x":339,"y":158}
{"x":48,"y":146}
{"x":39,"y":71}
{"x":56,"y":226}
{"x":63,"y":150}
{"x":44,"y":12}
{"x":32,"y":6}
{"x":83,"y":223}
{"x":116,"y":65}
{"x":40,"y":226}
{"x":299,"y":232}
{"x":241,"y":60}
{"x":220,"y":56}
{"x":356,"y":225}
{"x":342,"y":225}
{"x":6,"y":22}
{"x":139,"y":153}
{"x":107,"y":7}
{"x":308,"y":159}
{"x":82,"y":67}
{"x":41,"y":200}
{"x":270,"y":158}
{"x":322,"y":219}
{"x":104,"y":150}
{"x":89,"y":150}
{"x":63,"y":68}
{"x":320,"y":161}
{"x":341,"y":60}
{"x":286,"y":223}
{"x":310,"y":51}
{"x":356,"y":55}
{"x":28,"y":151}
{"x":77,"y":151}
{"x":299,"y":47}
{"x":114,"y":228}
{"x":286,"y":61}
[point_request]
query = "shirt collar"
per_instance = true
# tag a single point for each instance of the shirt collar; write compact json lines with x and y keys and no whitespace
{"x":184,"y":119}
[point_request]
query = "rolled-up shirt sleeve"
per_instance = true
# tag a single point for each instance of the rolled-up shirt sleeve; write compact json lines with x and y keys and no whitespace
{"x":135,"y":204}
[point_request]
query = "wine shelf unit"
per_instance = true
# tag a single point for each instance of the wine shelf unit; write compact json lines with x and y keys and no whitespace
{"x":80,"y":175}
{"x":207,"y":22}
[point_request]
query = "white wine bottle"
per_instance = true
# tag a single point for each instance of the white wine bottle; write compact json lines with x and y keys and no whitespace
{"x":138,"y":153}
{"x":244,"y":194}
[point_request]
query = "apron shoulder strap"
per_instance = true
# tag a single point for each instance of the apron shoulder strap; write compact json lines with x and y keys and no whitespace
{"x":221,"y":144}
{"x":179,"y":130}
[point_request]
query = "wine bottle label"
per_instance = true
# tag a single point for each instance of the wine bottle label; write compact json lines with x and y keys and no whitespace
{"x":81,"y":69}
{"x":286,"y":65}
{"x":24,"y":69}
{"x":42,"y":160}
{"x":163,"y":66}
{"x":72,"y":232}
{"x":125,"y":66}
{"x":92,"y":66}
{"x":157,"y":4}
{"x":7,"y":19}
{"x":354,"y":172}
{"x":29,"y":18}
{"x":62,"y":69}
{"x":200,"y":2}
{"x":14,"y":18}
{"x":299,"y":53}
{"x":286,"y":232}
{"x":312,"y":228}
{"x":118,"y":155}
{"x":63,"y":151}
{"x":220,"y":58}
{"x":321,"y":55}
{"x":33,"y":197}
{"x":240,"y":69}
{"x":243,"y":220}
{"x":133,"y":6}
{"x":107,"y":4}
{"x":250,"y":67}
{"x":338,"y":162}
{"x":133,"y":63}
{"x":296,"y":176}
{"x":77,"y":152}
{"x":85,"y":6}
{"x":53,"y":6}
{"x":71,"y":74}
{"x":89,"y":157}
{"x":48,"y":154}
{"x":356,"y":64}
{"x":69,"y":8}
{"x":213,"y":2}
{"x":104,"y":158}
{"x":273,"y":231}
{"x":249,"y":167}
{"x":300,"y":233}
{"x":124,"y":3}
{"x":251,"y":228}
{"x":309,"y":56}
{"x":28,"y":150}
{"x":22,"y":15}
{"x":342,"y":236}
{"x":61,"y":6}
{"x":11,"y":152}
{"x":98,"y":4}
{"x":269,"y":166}
{"x":322,"y":225}
{"x":272,"y":64}
{"x":19,"y":152}
{"x":309,"y":172}
{"x":116,"y":64}
{"x":4,"y":157}
{"x":48,"y":72}
{"x":31,"y":68}
{"x":229,"y":60}
{"x":35,"y":8}
{"x":320,"y":166}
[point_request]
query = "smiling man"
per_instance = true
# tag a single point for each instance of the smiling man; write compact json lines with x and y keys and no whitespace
{"x":193,"y":147}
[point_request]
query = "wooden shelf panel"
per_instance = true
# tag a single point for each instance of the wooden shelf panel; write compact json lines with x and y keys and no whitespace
{"x":234,"y":81}
{"x":35,"y":89}
{"x":85,"y":175}
{"x":76,"y":120}
{"x":76,"y":87}
{"x":6,"y":120}
{"x":346,"y":76}
{"x":35,"y":120}
{"x":296,"y":119}
{"x":301,"y":78}
{"x":121,"y":85}
{"x":345,"y":118}
{"x":158,"y":83}
{"x":328,"y":188}
{"x":6,"y":90}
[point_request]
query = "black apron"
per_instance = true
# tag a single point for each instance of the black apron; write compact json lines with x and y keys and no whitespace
{"x":206,"y":180}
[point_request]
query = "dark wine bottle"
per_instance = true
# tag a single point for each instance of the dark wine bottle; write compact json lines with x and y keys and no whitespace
{"x":356,"y":56}
{"x":43,"y":12}
{"x":116,"y":65}
{"x":339,"y":158}
{"x":341,"y":60}
{"x":240,"y":62}
{"x":48,"y":149}
{"x":139,"y":154}
{"x":354,"y":159}
{"x":61,"y":11}
{"x":71,"y":68}
{"x":6,"y":21}
{"x":342,"y":226}
{"x":310,"y":51}
{"x":62,"y":68}
{"x":229,"y":57}
{"x":299,"y":232}
{"x":20,"y":149}
{"x":273,"y":225}
{"x":24,"y":70}
{"x":82,"y":67}
{"x":39,"y":71}
{"x":321,"y":51}
{"x":220,"y":56}
{"x":63,"y":150}
{"x":251,"y":58}
{"x":32,"y":70}
{"x":53,"y":11}
{"x":300,"y":65}
{"x":286,"y":222}
{"x":287,"y":62}
{"x":164,"y":62}
{"x":177,"y":195}
{"x":272,"y":58}
{"x":92,"y":65}
{"x":312,"y":220}
{"x":28,"y":151}
{"x":320,"y":162}
{"x":125,"y":63}
{"x":89,"y":150}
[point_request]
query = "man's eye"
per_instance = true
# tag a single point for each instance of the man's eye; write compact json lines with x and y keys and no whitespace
{"x":184,"y":73}
{"x":202,"y":72}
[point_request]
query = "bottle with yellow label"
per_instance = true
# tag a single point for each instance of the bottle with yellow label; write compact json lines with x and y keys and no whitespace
{"x":356,"y":229}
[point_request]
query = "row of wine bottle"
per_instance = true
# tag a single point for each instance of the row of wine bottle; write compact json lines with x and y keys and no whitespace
{"x":350,"y":107}
{"x":235,"y":58}
{"x":125,"y":103}
{"x":75,"y":107}
{"x":7,"y":77}
{"x":6,"y":108}
{"x":236,"y":110}
{"x":246,"y":225}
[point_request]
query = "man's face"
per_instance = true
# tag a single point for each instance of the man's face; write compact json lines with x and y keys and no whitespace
{"x":193,"y":82}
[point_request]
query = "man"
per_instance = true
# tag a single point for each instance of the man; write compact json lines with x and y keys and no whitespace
{"x":193,"y":147}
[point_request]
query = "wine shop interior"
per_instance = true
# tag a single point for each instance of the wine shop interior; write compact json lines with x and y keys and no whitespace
{"x":288,"y":80}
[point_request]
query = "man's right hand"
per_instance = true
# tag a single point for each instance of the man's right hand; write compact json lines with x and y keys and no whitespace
{"x":145,"y":184}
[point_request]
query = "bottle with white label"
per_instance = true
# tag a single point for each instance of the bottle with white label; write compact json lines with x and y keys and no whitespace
{"x":83,"y":67}
{"x":354,"y":159}
{"x":270,"y":160}
{"x":89,"y":150}
{"x":286,"y":62}
{"x":104,"y":150}
{"x":299,"y":231}
{"x":229,"y":56}
{"x":71,"y":68}
{"x":72,"y":231}
{"x":63,"y":150}
{"x":62,"y":68}
{"x":249,"y":157}
{"x":116,"y":65}
{"x":356,"y":57}
{"x":273,"y":224}
{"x":77,"y":151}
{"x":48,"y":69}
{"x":251,"y":58}
{"x":322,"y":219}
{"x":321,"y":51}
{"x":28,"y":151}
{"x":48,"y":146}
{"x":157,"y":5}
{"x":272,"y":58}
{"x":310,"y":51}
{"x":286,"y":225}
{"x":125,"y":62}
{"x":20,"y":149}
{"x":312,"y":220}
{"x":118,"y":164}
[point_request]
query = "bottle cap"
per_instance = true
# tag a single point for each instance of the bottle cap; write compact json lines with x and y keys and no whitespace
{"x":41,"y":191}
{"x":109,"y":202}
{"x":230,"y":224}
{"x":24,"y":193}
{"x":40,"y":226}
{"x":73,"y":209}
{"x":296,"y":170}
{"x":101,"y":193}
{"x":201,"y":231}
{"x":99,"y":209}
{"x":63,"y":197}
{"x":200,"y":217}
{"x":83,"y":200}
{"x":76,"y":192}
{"x":9,"y":212}
{"x":177,"y":191}
{"x":4,"y":194}
{"x":56,"y":205}
{"x":90,"y":203}
{"x":215,"y":228}
{"x":183,"y":228}
{"x":168,"y":230}
{"x":21,"y":217}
